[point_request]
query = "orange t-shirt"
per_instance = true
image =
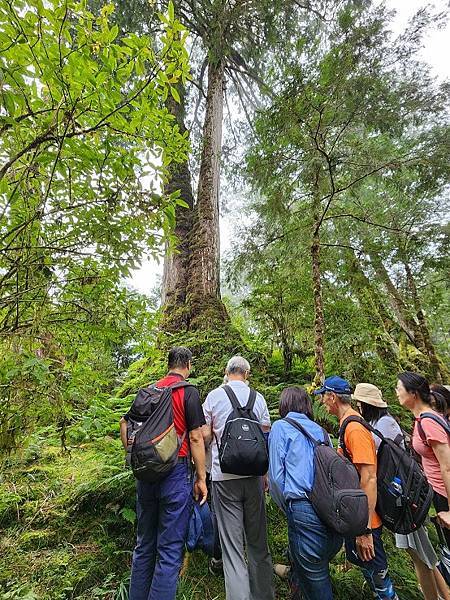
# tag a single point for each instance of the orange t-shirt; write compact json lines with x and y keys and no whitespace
{"x":361,"y":449}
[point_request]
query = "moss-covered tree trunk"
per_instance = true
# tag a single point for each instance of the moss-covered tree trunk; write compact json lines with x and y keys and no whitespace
{"x":176,"y":263}
{"x":436,"y":370}
{"x":203,"y":297}
{"x":398,"y":306}
{"x":376,"y":311}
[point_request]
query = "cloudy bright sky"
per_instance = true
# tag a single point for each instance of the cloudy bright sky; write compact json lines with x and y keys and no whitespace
{"x":436,"y":52}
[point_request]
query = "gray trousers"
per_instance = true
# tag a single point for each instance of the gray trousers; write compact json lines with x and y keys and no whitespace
{"x":241,"y":518}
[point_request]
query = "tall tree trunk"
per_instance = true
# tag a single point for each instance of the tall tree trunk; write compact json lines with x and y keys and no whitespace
{"x":372,"y":303}
{"x":288,"y":355}
{"x":204,"y":265}
{"x":176,"y":263}
{"x":319,"y":321}
{"x":436,"y":371}
{"x":398,"y":306}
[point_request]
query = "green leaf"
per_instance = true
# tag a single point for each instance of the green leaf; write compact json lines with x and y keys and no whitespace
{"x":129,"y":515}
{"x":175,"y":94}
{"x":171,"y":11}
{"x":9,"y":103}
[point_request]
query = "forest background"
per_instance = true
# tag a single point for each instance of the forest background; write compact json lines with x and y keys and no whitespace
{"x":123,"y":129}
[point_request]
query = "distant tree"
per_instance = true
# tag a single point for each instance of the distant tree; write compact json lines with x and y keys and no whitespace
{"x":354,"y":106}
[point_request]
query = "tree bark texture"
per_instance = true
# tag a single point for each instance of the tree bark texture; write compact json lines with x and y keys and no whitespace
{"x":204,"y":282}
{"x":176,"y":263}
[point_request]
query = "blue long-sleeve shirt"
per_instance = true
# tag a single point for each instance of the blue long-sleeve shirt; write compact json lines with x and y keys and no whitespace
{"x":291,"y":456}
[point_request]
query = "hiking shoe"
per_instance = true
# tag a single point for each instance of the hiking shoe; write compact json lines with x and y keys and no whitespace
{"x":215,"y":566}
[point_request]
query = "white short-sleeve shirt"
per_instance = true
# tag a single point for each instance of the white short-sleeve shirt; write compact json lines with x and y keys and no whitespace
{"x":217,"y":407}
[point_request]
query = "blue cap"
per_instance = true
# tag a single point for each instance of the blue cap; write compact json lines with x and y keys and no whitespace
{"x":335,"y":384}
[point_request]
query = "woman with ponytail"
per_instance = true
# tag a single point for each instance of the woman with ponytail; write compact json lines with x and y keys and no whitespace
{"x":414,"y":393}
{"x":430,"y":440}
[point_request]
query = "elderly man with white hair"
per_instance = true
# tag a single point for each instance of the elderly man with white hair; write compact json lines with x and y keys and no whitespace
{"x":238,"y":500}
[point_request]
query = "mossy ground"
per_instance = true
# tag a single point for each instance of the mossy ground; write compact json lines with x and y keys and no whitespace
{"x":67,"y":532}
{"x":67,"y":519}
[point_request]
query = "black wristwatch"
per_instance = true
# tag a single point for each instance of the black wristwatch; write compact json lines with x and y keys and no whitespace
{"x":368,"y":531}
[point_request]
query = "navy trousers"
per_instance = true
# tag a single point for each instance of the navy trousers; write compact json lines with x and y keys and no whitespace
{"x":163,"y":511}
{"x":375,"y":571}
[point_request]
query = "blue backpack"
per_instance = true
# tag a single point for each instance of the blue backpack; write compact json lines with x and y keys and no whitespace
{"x":201,"y":530}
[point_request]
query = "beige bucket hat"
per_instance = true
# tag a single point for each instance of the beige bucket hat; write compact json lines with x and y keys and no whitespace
{"x":370,"y":394}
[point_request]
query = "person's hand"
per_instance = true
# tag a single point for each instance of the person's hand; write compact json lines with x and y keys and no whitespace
{"x":200,"y":491}
{"x":364,"y":547}
{"x":266,"y":483}
{"x":444,"y":519}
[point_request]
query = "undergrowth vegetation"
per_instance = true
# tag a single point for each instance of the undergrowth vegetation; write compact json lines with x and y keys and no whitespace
{"x":68,"y":516}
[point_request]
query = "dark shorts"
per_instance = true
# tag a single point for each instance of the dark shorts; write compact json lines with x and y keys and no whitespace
{"x":441,"y":505}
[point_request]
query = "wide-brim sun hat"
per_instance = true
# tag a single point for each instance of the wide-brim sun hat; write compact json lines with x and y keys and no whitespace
{"x":369,"y":394}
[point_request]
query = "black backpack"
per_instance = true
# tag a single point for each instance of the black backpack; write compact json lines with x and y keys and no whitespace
{"x":437,"y":419}
{"x":153,"y":443}
{"x":403,"y":493}
{"x":336,"y":494}
{"x":243,"y":447}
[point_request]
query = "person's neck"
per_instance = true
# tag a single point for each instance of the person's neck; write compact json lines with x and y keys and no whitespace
{"x":236,"y":378}
{"x":420,"y":407}
{"x":183,"y":372}
{"x":342,"y":410}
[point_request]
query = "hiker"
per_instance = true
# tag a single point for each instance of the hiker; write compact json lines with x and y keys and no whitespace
{"x":291,"y":474}
{"x":431,"y":441}
{"x":365,"y":551}
{"x":238,"y":500}
{"x":164,"y":507}
{"x":374,"y":410}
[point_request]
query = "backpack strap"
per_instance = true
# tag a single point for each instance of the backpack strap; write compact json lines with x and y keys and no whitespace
{"x":232,"y":397}
{"x":311,"y":438}
{"x":180,"y":384}
{"x":251,"y":400}
{"x":400,"y":439}
{"x":361,"y":421}
{"x":177,"y":386}
{"x":437,"y":419}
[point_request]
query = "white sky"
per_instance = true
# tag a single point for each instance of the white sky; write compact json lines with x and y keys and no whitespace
{"x":436,"y":53}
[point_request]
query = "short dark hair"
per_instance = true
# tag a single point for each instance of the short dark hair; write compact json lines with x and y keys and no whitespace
{"x":372,"y":413}
{"x":416,"y":384}
{"x":295,"y":399}
{"x":179,"y":358}
{"x":441,"y":397}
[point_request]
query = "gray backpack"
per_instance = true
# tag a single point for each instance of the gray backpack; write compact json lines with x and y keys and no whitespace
{"x":336,"y":494}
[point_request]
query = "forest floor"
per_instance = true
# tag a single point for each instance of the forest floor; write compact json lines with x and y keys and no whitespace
{"x":68,"y":530}
{"x":67,"y":520}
